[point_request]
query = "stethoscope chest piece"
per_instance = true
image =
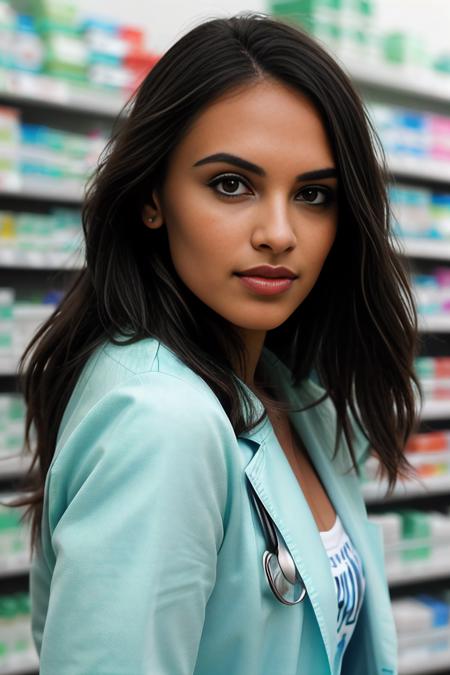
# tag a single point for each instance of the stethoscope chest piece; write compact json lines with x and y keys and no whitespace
{"x":279,"y":567}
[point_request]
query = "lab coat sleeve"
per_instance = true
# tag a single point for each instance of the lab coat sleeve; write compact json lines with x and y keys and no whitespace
{"x":137,"y":498}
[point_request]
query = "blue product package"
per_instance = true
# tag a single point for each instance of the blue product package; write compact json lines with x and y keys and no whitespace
{"x":412,"y":130}
{"x":440,"y":214}
{"x":28,"y":50}
{"x":441,"y":610}
{"x":99,"y":24}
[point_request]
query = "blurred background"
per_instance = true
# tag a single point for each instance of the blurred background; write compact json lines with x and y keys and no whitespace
{"x":66,"y":69}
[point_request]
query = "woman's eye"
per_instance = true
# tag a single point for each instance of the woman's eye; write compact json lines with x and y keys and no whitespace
{"x":229,"y":186}
{"x":316,"y":195}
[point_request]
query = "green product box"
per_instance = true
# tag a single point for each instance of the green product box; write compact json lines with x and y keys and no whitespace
{"x":299,"y":11}
{"x":65,"y":56}
{"x":8,"y":607}
{"x":303,"y":6}
{"x":424,"y":366}
{"x":415,"y":525}
{"x":63,"y":12}
{"x":401,"y":48}
{"x":442,"y":63}
{"x":366,"y":7}
{"x":57,"y":23}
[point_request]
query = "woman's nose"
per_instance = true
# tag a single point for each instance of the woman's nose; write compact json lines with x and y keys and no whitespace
{"x":273,"y":226}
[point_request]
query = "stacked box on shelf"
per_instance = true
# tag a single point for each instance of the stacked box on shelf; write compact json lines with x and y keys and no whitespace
{"x":28,"y":53}
{"x":36,"y":154}
{"x":342,"y":25}
{"x":18,"y":323}
{"x":12,"y":421}
{"x":14,"y":539}
{"x":434,"y":374}
{"x":423,"y":630}
{"x":7,"y":33}
{"x":416,"y":543}
{"x":420,"y":212}
{"x":9,"y":149}
{"x":17,"y":651}
{"x":41,"y":239}
{"x":351,"y":30}
{"x":427,"y":452}
{"x":432,"y":291}
{"x":116,"y":54}
{"x":94,"y":52}
{"x":56,"y":24}
{"x":52,"y":157}
{"x":411,"y":136}
{"x":7,"y":296}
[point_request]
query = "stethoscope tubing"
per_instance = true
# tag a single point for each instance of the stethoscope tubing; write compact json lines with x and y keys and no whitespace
{"x":278,"y":547}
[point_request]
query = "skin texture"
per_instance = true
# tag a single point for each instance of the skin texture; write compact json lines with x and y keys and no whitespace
{"x":273,"y":219}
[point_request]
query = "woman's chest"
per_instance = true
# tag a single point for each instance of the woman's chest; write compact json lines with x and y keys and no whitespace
{"x":309,"y":482}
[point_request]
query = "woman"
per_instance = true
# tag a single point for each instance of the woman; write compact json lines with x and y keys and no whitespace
{"x":199,"y":427}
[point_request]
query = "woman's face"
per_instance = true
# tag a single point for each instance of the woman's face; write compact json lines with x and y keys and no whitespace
{"x":272,"y":202}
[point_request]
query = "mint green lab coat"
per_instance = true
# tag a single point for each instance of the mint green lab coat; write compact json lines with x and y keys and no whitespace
{"x":150,"y":561}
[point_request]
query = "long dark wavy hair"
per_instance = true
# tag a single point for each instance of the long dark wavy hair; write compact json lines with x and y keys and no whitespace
{"x":357,"y":328}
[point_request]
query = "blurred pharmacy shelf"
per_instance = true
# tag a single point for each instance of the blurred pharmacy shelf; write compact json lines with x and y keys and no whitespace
{"x":7,"y":369}
{"x":417,"y":570}
{"x":52,"y":192}
{"x":16,"y":555}
{"x":436,"y":409}
{"x":21,"y":88}
{"x":15,"y":571}
{"x":437,"y":323}
{"x":432,"y":249}
{"x":28,"y":668}
{"x":420,"y":169}
{"x":38,"y":260}
{"x":424,"y":663}
{"x":430,"y":85}
{"x":14,"y":465}
{"x":375,"y":491}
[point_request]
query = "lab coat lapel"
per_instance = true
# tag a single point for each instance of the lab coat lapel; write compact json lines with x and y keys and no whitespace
{"x":378,"y":649}
{"x":275,"y":483}
{"x":316,"y":427}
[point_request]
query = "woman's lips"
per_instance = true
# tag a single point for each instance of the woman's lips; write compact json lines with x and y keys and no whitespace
{"x":266,"y":285}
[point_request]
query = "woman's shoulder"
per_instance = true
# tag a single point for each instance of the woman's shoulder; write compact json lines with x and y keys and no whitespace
{"x":147,"y":356}
{"x":137,"y":418}
{"x":144,"y":375}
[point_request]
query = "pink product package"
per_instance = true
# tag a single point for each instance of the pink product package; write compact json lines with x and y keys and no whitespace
{"x":440,"y":137}
{"x":442,"y":275}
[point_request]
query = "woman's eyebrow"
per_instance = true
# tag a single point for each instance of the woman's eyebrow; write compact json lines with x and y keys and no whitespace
{"x":329,"y":172}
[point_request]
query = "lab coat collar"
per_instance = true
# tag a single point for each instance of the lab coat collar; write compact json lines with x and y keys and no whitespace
{"x":272,"y":478}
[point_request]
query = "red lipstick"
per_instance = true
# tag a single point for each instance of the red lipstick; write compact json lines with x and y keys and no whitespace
{"x":269,"y":271}
{"x":267,"y":280}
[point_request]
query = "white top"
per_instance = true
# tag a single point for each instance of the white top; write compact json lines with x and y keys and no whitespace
{"x":349,"y":581}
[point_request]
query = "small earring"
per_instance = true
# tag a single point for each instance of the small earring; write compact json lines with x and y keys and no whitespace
{"x":150,"y":219}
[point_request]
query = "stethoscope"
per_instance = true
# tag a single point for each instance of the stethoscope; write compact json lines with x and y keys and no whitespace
{"x":279,"y":567}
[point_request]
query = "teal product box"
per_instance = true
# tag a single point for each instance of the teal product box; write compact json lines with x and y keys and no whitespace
{"x":415,"y":525}
{"x":28,"y":51}
{"x":7,"y":34}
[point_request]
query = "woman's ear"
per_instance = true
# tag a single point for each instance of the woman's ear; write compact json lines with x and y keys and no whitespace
{"x":152,"y":214}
